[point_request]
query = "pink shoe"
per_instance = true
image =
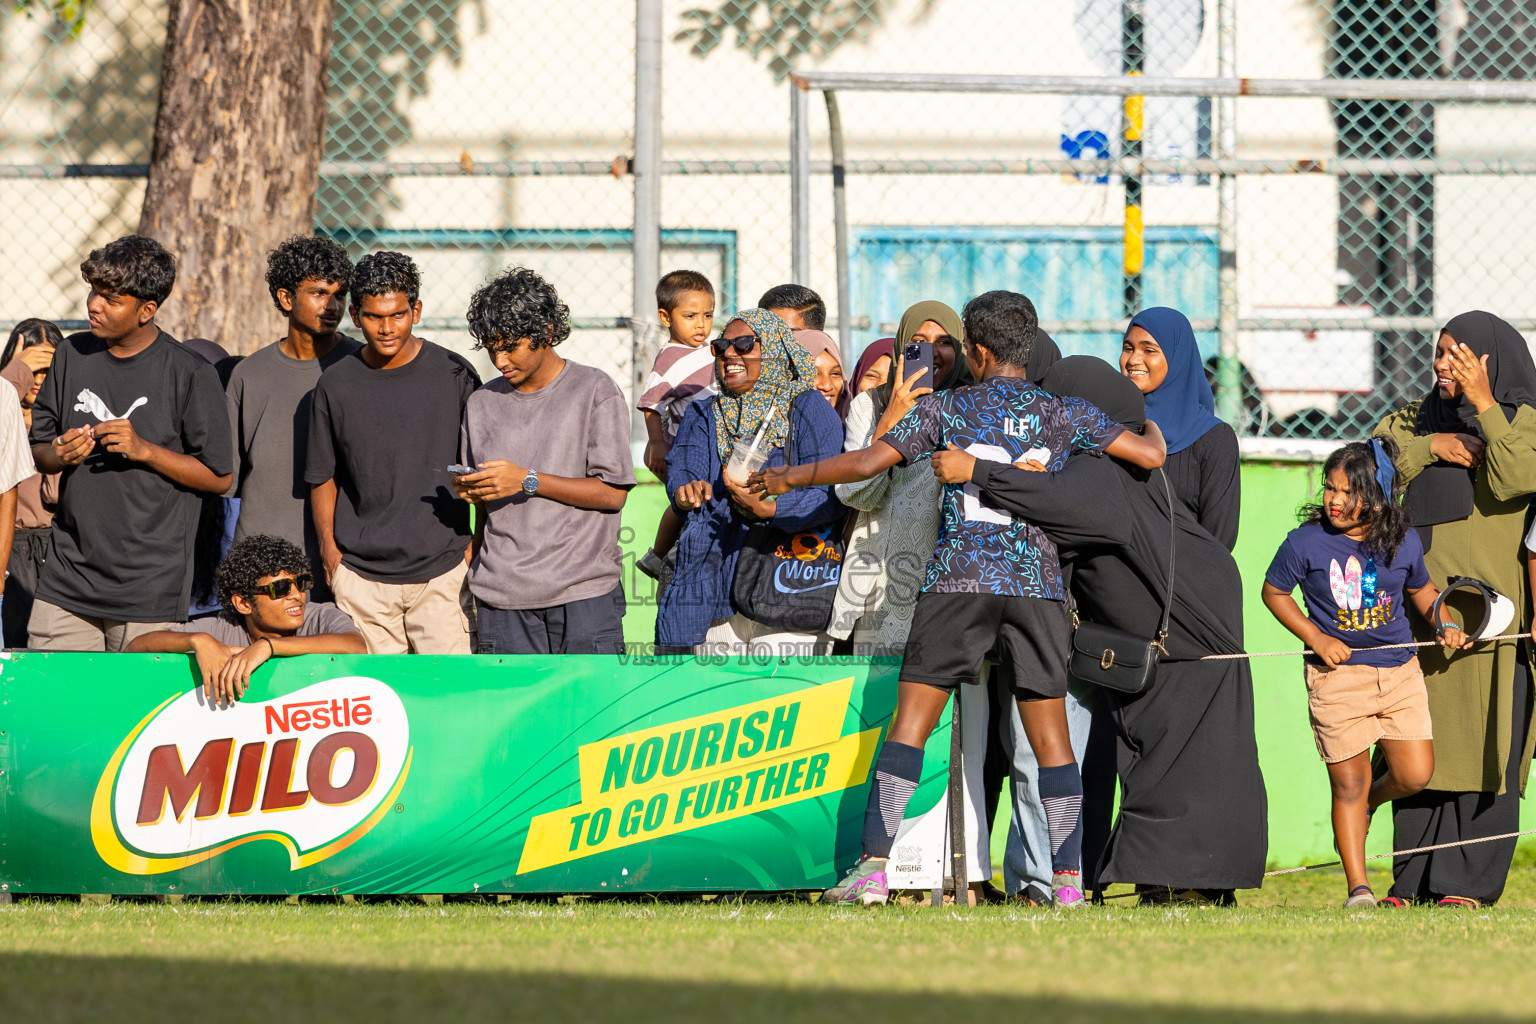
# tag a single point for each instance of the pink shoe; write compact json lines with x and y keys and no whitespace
{"x":1064,"y":890}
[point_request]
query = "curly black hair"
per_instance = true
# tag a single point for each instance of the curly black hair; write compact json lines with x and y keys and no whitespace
{"x":1005,"y":322}
{"x":383,"y":273}
{"x":306,"y":258}
{"x":253,"y":558}
{"x":516,"y":304}
{"x":131,"y":265}
{"x":1384,"y":516}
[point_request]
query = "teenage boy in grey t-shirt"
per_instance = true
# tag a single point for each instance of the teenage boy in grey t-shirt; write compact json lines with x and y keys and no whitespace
{"x":550,"y":441}
{"x":271,"y":391}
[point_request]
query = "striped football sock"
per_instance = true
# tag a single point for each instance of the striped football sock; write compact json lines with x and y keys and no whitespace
{"x":896,"y":774}
{"x":1061,"y":791}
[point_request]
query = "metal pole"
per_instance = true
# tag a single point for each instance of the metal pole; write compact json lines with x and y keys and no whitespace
{"x":647,"y":174}
{"x":957,"y":870}
{"x":1229,"y":372}
{"x":840,"y":230}
{"x":1422,"y":89}
{"x":1132,"y":122}
{"x":799,"y":185}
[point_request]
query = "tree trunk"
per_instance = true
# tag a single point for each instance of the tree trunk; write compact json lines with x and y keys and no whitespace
{"x":238,"y":140}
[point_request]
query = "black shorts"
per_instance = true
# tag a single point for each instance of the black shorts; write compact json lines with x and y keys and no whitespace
{"x":953,"y":633}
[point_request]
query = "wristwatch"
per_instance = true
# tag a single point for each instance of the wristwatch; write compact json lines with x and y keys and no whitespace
{"x":531,"y":483}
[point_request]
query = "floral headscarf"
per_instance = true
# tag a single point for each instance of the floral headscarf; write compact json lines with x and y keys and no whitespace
{"x":787,"y":371}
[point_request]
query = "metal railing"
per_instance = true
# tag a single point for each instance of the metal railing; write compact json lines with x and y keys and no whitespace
{"x":1225,"y":168}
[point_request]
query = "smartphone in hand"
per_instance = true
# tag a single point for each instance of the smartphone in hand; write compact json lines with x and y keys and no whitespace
{"x":918,"y":355}
{"x":461,"y":470}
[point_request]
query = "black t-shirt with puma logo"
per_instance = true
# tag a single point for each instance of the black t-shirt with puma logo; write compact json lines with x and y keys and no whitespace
{"x":121,"y":545}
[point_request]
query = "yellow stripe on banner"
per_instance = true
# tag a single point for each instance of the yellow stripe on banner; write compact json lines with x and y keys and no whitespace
{"x":1135,"y":242}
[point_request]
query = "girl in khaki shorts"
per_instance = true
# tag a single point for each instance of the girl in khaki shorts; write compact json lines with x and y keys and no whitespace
{"x":1355,"y":558}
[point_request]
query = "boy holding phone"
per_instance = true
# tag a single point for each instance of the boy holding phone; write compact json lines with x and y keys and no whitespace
{"x":549,"y":441}
{"x":394,"y":538}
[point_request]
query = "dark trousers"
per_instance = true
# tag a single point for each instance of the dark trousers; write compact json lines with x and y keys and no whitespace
{"x":28,"y":552}
{"x":1433,"y":816}
{"x":593,"y":626}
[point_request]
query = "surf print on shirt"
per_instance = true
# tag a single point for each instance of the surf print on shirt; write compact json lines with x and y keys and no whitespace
{"x":1360,"y":607}
{"x":1351,"y":594}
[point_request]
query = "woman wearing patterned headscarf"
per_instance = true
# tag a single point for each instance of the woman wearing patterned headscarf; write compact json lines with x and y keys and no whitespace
{"x":762,"y":375}
{"x":1467,"y":450}
{"x":1161,"y":357}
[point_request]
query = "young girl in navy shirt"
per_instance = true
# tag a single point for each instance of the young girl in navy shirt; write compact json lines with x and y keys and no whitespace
{"x":1355,"y":557}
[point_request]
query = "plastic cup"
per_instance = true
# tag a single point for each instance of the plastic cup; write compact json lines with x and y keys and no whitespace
{"x":745,"y":460}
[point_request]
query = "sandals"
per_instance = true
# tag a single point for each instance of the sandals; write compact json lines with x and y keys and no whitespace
{"x":1395,"y":903}
{"x":1459,"y":901}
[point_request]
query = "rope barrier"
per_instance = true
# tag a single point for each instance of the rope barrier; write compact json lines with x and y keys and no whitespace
{"x":1406,"y":853}
{"x":1375,"y":856}
{"x":1382,"y":647}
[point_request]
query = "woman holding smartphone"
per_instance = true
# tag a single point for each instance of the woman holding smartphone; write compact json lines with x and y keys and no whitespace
{"x":898,"y":521}
{"x":897,"y":527}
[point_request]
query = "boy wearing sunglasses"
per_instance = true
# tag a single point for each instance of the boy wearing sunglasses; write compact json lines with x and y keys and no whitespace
{"x":264,"y":585}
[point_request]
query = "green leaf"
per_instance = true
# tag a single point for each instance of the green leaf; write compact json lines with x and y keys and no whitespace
{"x":70,"y":12}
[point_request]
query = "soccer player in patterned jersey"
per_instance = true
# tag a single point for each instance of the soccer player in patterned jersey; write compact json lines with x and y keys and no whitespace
{"x":993,"y":581}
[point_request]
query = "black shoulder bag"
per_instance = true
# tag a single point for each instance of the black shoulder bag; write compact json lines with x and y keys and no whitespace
{"x":1114,"y":658}
{"x":788,"y":580}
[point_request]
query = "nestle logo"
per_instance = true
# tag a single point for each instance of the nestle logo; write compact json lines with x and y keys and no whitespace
{"x":301,"y":715}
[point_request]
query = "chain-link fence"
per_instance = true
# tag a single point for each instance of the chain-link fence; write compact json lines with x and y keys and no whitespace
{"x":478,"y":133}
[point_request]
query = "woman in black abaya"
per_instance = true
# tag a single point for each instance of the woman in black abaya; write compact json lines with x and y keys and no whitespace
{"x":1193,"y":811}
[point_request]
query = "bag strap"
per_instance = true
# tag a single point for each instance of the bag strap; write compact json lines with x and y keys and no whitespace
{"x":791,"y":456}
{"x":1162,"y":630}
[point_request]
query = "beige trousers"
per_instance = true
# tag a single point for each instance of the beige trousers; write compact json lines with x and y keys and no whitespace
{"x":435,"y":617}
{"x":52,"y":628}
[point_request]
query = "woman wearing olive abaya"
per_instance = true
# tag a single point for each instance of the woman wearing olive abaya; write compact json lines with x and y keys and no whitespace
{"x":1161,"y":357}
{"x":1193,"y":809}
{"x":1468,"y":452}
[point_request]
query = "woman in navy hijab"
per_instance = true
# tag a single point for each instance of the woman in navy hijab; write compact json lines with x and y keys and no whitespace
{"x":1162,"y":359}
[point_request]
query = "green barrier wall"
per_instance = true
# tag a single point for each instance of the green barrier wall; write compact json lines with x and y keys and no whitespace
{"x":575,"y":774}
{"x":1299,"y":830}
{"x":424,"y":775}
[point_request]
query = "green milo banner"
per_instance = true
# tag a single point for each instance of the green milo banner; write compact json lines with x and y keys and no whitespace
{"x":425,"y":775}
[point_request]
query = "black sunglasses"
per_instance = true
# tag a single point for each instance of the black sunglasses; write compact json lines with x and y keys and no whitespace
{"x":279,"y":589}
{"x":744,"y":344}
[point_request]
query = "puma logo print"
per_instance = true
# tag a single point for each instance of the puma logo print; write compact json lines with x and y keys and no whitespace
{"x":87,"y":401}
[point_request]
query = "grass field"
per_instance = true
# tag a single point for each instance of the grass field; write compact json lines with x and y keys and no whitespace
{"x":1288,"y":954}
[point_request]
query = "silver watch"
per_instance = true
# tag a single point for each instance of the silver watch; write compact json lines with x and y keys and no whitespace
{"x":531,"y":483}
